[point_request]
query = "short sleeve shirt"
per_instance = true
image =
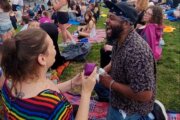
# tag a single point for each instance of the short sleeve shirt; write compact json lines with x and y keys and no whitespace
{"x":133,"y":65}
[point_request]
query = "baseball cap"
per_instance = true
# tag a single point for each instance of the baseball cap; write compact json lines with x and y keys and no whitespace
{"x":124,"y":10}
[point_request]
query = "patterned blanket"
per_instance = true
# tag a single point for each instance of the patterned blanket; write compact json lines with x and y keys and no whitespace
{"x":98,"y":110}
{"x":100,"y":36}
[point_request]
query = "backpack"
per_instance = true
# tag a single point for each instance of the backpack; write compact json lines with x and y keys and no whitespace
{"x":77,"y":52}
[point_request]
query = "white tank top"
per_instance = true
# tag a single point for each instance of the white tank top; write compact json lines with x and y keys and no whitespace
{"x":92,"y":33}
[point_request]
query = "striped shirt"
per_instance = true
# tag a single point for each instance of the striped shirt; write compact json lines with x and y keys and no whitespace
{"x":47,"y":105}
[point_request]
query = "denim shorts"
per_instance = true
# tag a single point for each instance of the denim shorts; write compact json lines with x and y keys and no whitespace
{"x":5,"y":28}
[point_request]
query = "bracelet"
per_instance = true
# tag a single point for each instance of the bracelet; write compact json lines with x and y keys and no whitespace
{"x":112,"y":81}
{"x":71,"y":84}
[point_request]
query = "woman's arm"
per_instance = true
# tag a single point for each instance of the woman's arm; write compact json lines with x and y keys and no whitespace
{"x":59,"y":4}
{"x":68,"y":85}
{"x":2,"y":79}
{"x":87,"y":87}
{"x":87,"y":30}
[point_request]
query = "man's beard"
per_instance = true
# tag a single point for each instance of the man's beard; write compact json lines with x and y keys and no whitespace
{"x":115,"y":33}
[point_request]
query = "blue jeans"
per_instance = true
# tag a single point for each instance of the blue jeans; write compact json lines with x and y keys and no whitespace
{"x":102,"y":92}
{"x":114,"y":114}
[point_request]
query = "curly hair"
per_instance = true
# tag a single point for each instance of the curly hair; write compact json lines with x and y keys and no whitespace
{"x":157,"y":15}
{"x":141,"y":5}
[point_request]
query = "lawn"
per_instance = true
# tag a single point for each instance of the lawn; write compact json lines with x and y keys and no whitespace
{"x":168,"y":68}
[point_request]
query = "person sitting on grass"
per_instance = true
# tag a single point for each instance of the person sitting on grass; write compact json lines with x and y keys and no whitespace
{"x":25,"y":61}
{"x":153,"y":30}
{"x":89,"y":30}
{"x":45,"y":17}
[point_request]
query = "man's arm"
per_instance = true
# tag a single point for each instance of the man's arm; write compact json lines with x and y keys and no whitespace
{"x":126,"y":90}
{"x":107,"y":68}
{"x":140,"y":73}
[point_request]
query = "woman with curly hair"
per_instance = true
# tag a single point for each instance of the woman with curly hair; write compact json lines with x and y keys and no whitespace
{"x":153,"y":29}
{"x":141,"y":6}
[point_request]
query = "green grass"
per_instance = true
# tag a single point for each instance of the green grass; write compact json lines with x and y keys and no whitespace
{"x":168,"y":68}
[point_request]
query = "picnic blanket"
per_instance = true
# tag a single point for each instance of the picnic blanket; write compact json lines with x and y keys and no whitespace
{"x":97,"y":111}
{"x":73,"y":22}
{"x":100,"y":36}
{"x":170,"y":16}
{"x":173,"y":115}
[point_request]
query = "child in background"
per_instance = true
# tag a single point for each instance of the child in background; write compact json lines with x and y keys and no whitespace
{"x":25,"y":22}
{"x":5,"y":22}
{"x":45,"y":17}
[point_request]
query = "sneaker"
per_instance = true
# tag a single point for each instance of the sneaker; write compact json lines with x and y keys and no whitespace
{"x":159,"y":111}
{"x":72,"y":42}
{"x":63,"y":45}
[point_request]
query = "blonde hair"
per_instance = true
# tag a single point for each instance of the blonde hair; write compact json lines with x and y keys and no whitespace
{"x":142,"y":5}
{"x":34,"y":24}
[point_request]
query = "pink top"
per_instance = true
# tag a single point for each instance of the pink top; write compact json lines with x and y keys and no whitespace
{"x":45,"y":20}
{"x":152,"y":34}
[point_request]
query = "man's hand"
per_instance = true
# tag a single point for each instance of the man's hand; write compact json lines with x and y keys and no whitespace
{"x":105,"y":79}
{"x":108,"y":47}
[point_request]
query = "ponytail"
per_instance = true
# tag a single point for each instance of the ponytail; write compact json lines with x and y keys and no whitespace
{"x":9,"y":55}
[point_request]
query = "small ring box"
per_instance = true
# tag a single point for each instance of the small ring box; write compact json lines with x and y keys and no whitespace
{"x":88,"y":68}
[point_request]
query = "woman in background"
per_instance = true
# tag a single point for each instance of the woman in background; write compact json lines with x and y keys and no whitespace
{"x":89,"y":30}
{"x":153,"y":30}
{"x":141,"y":6}
{"x":61,"y":6}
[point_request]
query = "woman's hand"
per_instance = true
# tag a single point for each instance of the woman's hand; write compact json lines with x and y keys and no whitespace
{"x":77,"y":80}
{"x":89,"y":82}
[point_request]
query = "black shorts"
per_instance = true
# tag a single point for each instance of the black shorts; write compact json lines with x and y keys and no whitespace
{"x":14,"y":7}
{"x":62,"y":17}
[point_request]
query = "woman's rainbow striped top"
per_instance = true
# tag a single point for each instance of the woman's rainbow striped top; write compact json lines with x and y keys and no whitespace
{"x":47,"y":105}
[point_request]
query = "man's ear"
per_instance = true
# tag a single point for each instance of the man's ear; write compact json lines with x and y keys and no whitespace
{"x":42,"y":60}
{"x":125,"y":24}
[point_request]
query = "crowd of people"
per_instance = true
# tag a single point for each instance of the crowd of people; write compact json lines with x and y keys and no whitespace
{"x":134,"y":29}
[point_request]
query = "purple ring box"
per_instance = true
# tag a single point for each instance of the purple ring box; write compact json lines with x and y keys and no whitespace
{"x":88,"y":68}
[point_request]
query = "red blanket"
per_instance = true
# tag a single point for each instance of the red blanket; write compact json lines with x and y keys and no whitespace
{"x":98,"y":110}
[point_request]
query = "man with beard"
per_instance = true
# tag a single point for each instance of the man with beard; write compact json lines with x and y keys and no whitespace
{"x":105,"y":57}
{"x":132,"y":73}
